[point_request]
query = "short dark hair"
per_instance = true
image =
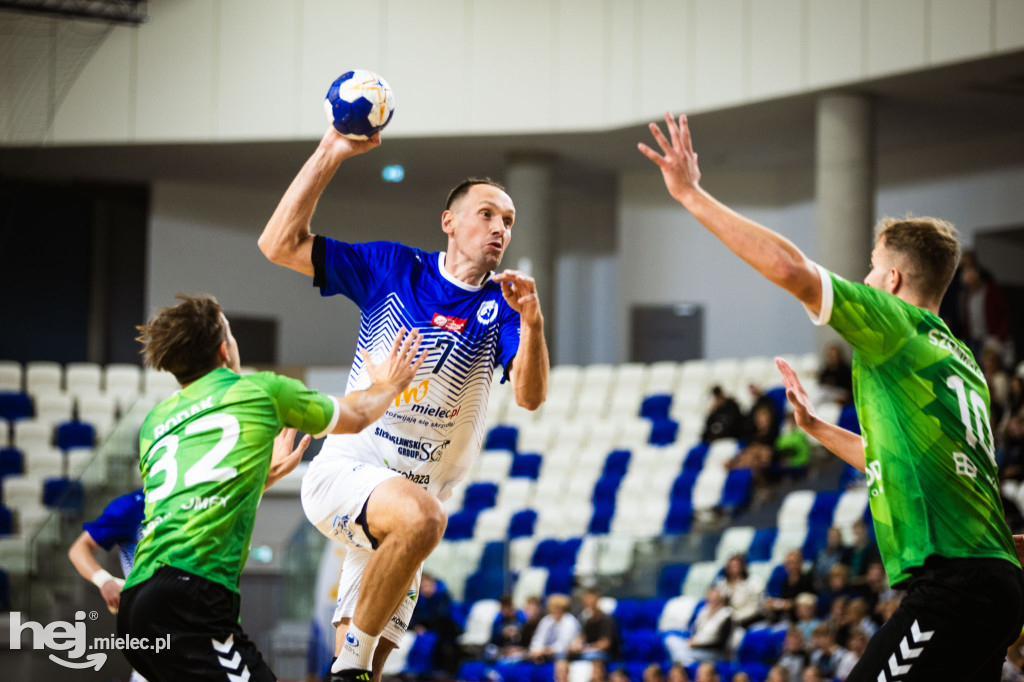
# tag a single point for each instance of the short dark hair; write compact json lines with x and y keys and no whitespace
{"x":930,"y":248}
{"x":462,"y":188}
{"x":184,"y":339}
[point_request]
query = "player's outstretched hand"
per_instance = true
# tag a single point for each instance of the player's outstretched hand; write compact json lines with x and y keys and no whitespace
{"x":679,"y":163}
{"x":803,"y":408}
{"x":284,"y":459}
{"x":343,"y":147}
{"x":402,"y":362}
{"x":520,"y":293}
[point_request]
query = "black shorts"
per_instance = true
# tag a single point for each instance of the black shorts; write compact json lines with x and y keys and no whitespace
{"x":201,"y":617}
{"x":955,"y":623}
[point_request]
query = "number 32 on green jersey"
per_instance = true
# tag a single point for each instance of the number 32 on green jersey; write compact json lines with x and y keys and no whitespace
{"x":205,"y":469}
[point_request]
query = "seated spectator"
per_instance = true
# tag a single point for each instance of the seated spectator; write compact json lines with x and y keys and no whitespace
{"x":561,"y":670}
{"x":507,"y":630}
{"x":433,"y":613}
{"x":533,"y":613}
{"x":863,"y":553}
{"x":797,"y":580}
{"x":856,"y":643}
{"x":677,"y":673}
{"x":742,"y":593}
{"x":794,"y":654}
{"x":725,"y":419}
{"x":876,"y":586}
{"x":806,"y":606}
{"x":831,"y":554}
{"x":838,"y":586}
{"x":740,"y":677}
{"x":813,"y":674}
{"x":599,"y":638}
{"x":619,"y":675}
{"x":835,"y":379}
{"x":986,"y":312}
{"x":555,"y":632}
{"x":710,"y":633}
{"x":1011,"y":451}
{"x":652,"y":673}
{"x":760,"y":403}
{"x":856,"y":617}
{"x":825,"y":653}
{"x":706,"y":672}
{"x":759,"y":452}
{"x":778,"y":674}
{"x":792,"y":450}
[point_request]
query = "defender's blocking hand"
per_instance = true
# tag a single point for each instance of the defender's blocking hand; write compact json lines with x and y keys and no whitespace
{"x":402,"y":362}
{"x":520,"y":292}
{"x":803,"y":408}
{"x":679,"y":164}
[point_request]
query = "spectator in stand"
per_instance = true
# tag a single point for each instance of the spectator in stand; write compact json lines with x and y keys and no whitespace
{"x":825,"y":653}
{"x":834,"y":552}
{"x":743,"y":593}
{"x":796,"y":581}
{"x":986,"y":312}
{"x":652,"y":673}
{"x":433,"y":613}
{"x":507,"y":631}
{"x":813,"y":674}
{"x":759,"y":452}
{"x":561,"y":670}
{"x":834,"y":621}
{"x":533,"y":612}
{"x":792,"y":450}
{"x":877,"y":587}
{"x":619,"y":675}
{"x":725,"y":419}
{"x":1011,"y":459}
{"x":740,"y":677}
{"x":838,"y":586}
{"x":856,"y":617}
{"x":998,"y":381}
{"x":710,"y":635}
{"x":779,"y":674}
{"x":599,"y":639}
{"x":677,"y":673}
{"x":706,"y":672}
{"x":855,"y":646}
{"x":863,"y":553}
{"x":835,"y":379}
{"x":806,"y":607}
{"x":555,"y":632}
{"x":794,"y":654}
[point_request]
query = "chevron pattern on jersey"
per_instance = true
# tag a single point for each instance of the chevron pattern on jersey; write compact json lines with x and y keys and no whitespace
{"x":910,"y":649}
{"x":231,"y":664}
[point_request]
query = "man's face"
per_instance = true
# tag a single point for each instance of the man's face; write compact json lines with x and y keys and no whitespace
{"x":480,"y":224}
{"x":233,"y":359}
{"x":881,"y":266}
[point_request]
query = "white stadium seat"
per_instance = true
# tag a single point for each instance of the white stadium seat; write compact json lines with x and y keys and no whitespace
{"x":10,"y":376}
{"x":81,"y":378}
{"x":44,"y":377}
{"x":479,"y":622}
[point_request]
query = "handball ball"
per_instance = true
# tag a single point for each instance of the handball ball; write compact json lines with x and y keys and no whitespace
{"x":359,"y":104}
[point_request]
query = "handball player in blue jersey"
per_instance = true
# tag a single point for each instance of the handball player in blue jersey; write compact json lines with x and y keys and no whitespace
{"x":379,"y":492}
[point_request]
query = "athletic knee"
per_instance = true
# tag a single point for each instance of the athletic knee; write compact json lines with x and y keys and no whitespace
{"x":428,"y":522}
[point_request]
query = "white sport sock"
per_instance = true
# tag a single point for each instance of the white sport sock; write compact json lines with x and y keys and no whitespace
{"x":357,"y":652}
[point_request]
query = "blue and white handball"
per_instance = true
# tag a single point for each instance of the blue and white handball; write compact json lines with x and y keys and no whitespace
{"x":359,"y":104}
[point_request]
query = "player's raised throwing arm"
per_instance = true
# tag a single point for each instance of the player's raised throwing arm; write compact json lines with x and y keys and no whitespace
{"x":766,"y":251}
{"x":530,"y":368}
{"x":287,"y":239}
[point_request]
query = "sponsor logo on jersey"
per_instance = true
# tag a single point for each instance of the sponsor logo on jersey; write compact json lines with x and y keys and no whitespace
{"x":452,"y":324}
{"x":487,"y":311}
{"x":196,"y":408}
{"x":399,"y":622}
{"x":413,"y":395}
{"x":412,"y":595}
{"x":200,"y":503}
{"x":873,"y":470}
{"x":434,"y":411}
{"x":418,"y":479}
{"x":422,"y":449}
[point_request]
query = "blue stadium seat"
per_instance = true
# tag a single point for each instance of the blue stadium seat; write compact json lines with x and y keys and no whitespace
{"x":473,"y":671}
{"x":522,"y":523}
{"x":75,"y":434}
{"x":485,"y":584}
{"x":5,"y":591}
{"x":627,"y":613}
{"x":546,"y":553}
{"x":656,"y":406}
{"x":695,"y":457}
{"x":755,"y":647}
{"x":421,"y":655}
{"x":642,"y":646}
{"x":824,"y":507}
{"x":616,"y":464}
{"x":525,"y":466}
{"x":606,"y":489}
{"x":480,"y":496}
{"x":778,"y":397}
{"x":663,"y":432}
{"x":6,"y":521}
{"x":460,"y":525}
{"x":567,"y":555}
{"x":848,"y":418}
{"x":682,"y":487}
{"x":601,"y":521}
{"x":670,"y":580}
{"x":761,"y":546}
{"x":518,"y":671}
{"x":502,"y":438}
{"x":679,"y":517}
{"x":850,"y":476}
{"x":776,"y":581}
{"x":736,"y":493}
{"x":493,"y":556}
{"x":63,"y":493}
{"x":649,"y":612}
{"x":12,"y":462}
{"x":542,"y":672}
{"x":817,"y":538}
{"x":757,"y":672}
{"x":15,"y":405}
{"x":560,"y":580}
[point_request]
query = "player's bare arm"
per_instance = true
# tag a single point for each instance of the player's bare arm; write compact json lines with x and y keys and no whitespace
{"x":530,"y":368}
{"x":846,"y":445}
{"x":283,"y":458}
{"x":287,"y":238}
{"x":768,"y":252}
{"x":82,"y":555}
{"x":359,"y":409}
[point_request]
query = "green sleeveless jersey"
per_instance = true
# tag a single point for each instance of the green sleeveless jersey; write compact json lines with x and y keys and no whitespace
{"x":923,"y":407}
{"x":204,"y":456}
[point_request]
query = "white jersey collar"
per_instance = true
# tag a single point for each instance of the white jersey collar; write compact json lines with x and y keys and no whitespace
{"x":458,"y":282}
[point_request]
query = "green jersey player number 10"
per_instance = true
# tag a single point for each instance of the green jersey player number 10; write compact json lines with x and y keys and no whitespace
{"x":982,"y":430}
{"x":205,"y":469}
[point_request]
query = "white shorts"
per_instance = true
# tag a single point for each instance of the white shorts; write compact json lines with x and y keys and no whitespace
{"x":334,"y":492}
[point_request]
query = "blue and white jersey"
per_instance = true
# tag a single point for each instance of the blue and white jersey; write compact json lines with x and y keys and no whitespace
{"x":120,"y":524}
{"x":435,"y":428}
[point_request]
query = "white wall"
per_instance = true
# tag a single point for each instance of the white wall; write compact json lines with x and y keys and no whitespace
{"x":258,"y":69}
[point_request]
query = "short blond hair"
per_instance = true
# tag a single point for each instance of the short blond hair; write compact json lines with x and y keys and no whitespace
{"x":929,"y":249}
